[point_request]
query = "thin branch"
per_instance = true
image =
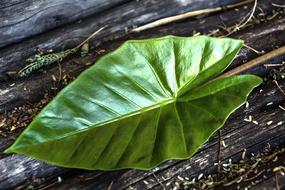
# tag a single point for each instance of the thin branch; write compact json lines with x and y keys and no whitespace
{"x":255,"y":176}
{"x":273,"y":65}
{"x":257,"y":61}
{"x":243,"y":176}
{"x":158,"y":181}
{"x":251,"y":15}
{"x":91,"y":36}
{"x":219,"y":154}
{"x":281,"y":108}
{"x":59,"y":72}
{"x":276,"y":5}
{"x":252,"y":49}
{"x":276,"y":181}
{"x":278,"y":86}
{"x":190,"y":14}
{"x":244,"y":22}
{"x":110,"y":186}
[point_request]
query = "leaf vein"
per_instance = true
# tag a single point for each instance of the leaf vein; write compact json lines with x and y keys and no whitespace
{"x":153,"y":72}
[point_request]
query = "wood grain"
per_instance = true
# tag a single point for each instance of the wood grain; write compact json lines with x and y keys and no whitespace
{"x":22,"y":19}
{"x":118,"y":19}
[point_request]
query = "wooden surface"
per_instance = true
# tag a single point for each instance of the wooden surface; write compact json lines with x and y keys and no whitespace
{"x":118,"y":20}
{"x":20,"y":172}
{"x":20,"y":19}
{"x":25,"y":18}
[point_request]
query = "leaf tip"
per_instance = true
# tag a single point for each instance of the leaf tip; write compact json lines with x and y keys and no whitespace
{"x":258,"y":80}
{"x":8,"y":150}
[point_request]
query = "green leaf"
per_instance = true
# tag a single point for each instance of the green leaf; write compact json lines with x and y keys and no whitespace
{"x":148,"y":101}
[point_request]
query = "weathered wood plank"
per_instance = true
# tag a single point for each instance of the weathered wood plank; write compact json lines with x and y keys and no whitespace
{"x":21,"y":172}
{"x":118,"y":19}
{"x":22,"y":19}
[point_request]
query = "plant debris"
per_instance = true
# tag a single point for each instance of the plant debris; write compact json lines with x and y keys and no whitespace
{"x":242,"y":174}
{"x":20,"y":117}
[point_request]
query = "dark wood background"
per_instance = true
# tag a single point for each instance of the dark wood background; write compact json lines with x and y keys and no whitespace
{"x":28,"y":25}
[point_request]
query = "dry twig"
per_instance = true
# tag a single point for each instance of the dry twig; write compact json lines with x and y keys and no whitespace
{"x":158,"y":181}
{"x":257,"y":61}
{"x":252,"y":49}
{"x":243,"y":21}
{"x":279,"y":87}
{"x":219,"y":154}
{"x":276,"y":181}
{"x":243,"y":176}
{"x":190,"y":14}
{"x":276,"y":5}
{"x":273,"y":65}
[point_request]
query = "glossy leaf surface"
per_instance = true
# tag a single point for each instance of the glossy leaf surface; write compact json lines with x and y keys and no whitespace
{"x":146,"y":102}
